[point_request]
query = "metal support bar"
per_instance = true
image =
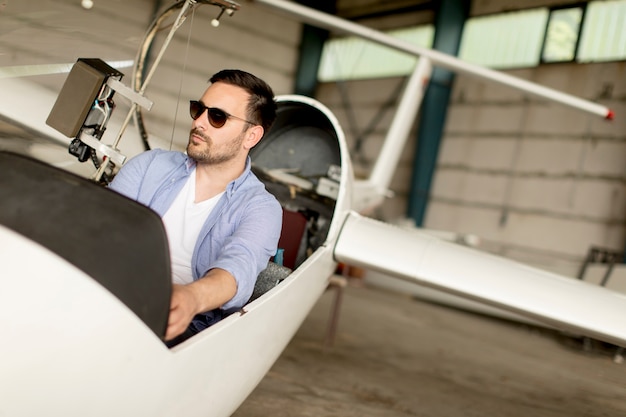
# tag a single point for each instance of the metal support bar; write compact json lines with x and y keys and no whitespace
{"x":94,"y":143}
{"x":600,"y":256}
{"x":405,"y":117}
{"x":371,"y":192}
{"x":338,"y":283}
{"x":129,"y":93}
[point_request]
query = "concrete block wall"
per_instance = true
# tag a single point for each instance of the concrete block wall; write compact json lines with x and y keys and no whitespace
{"x":538,"y":182}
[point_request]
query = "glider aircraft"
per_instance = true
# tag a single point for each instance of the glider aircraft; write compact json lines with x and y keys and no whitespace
{"x":86,"y":280}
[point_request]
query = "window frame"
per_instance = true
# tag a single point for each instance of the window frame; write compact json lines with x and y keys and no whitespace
{"x":583,"y":7}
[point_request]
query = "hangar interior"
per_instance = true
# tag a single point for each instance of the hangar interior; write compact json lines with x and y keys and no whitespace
{"x":536,"y":181}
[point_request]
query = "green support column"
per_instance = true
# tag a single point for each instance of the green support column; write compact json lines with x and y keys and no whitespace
{"x":449,"y":20}
{"x":311,"y":46}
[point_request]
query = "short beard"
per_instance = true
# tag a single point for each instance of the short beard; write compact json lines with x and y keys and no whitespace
{"x":207,"y":154}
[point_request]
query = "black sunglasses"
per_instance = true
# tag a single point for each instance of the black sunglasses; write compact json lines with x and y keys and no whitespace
{"x":217,"y":117}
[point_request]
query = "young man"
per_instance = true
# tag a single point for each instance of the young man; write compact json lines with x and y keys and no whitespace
{"x":222,"y":225}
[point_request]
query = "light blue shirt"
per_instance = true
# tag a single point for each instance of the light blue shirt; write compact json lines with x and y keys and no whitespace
{"x":239,"y":235}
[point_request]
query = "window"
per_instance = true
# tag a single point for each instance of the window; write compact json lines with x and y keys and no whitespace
{"x":562,"y":35}
{"x":591,"y":32}
{"x":504,"y":40}
{"x":352,"y":58}
{"x":603,"y":36}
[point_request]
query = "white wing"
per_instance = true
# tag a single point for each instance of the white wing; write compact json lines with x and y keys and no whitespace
{"x":559,"y":301}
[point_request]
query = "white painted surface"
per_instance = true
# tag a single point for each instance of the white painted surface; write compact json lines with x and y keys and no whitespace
{"x":80,"y":351}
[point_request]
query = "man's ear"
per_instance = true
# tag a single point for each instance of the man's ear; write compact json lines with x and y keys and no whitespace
{"x":253,"y":136}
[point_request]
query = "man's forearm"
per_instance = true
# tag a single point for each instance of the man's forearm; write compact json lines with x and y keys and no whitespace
{"x":213,"y":290}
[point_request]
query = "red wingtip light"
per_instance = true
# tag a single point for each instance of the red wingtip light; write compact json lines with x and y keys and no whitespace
{"x":609,"y":115}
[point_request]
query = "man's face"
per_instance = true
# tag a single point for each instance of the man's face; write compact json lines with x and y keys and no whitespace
{"x":208,"y":144}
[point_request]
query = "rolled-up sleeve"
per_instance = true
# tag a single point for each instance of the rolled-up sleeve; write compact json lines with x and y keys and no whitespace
{"x":245,"y":252}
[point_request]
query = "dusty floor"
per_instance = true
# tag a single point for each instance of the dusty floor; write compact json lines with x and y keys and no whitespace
{"x":395,"y":356}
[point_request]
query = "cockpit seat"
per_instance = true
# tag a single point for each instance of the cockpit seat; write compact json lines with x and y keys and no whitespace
{"x":269,"y":278}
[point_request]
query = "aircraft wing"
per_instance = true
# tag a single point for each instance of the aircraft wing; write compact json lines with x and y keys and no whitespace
{"x":562,"y":302}
{"x":27,"y":104}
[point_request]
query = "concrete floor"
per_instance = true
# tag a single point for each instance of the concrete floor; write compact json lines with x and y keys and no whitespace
{"x":395,"y":356}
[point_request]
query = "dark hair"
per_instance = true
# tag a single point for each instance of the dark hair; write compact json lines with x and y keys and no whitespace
{"x":261,"y":107}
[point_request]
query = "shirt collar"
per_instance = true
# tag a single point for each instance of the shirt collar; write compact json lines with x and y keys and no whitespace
{"x":234,"y":185}
{"x":190,"y":164}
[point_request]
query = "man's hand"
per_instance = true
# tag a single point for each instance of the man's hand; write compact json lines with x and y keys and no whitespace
{"x":183,"y":308}
{"x":205,"y":294}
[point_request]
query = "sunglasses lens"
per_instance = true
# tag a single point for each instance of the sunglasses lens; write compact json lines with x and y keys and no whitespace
{"x":195,"y":109}
{"x":217,"y":117}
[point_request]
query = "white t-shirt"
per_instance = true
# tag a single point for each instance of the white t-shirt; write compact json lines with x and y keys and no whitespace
{"x":183,"y":221}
